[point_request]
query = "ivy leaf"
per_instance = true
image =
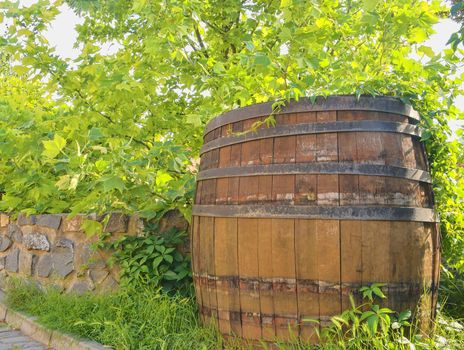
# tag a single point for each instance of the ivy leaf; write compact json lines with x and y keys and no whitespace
{"x":53,"y":147}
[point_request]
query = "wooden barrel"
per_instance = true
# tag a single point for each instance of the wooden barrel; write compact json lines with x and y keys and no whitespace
{"x":290,"y":219}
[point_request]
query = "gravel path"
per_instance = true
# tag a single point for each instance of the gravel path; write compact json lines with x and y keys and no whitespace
{"x":11,"y":339}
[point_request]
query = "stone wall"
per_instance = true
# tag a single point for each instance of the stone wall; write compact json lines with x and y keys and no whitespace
{"x":53,"y":249}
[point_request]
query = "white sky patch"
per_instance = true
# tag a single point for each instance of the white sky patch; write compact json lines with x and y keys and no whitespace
{"x":62,"y":34}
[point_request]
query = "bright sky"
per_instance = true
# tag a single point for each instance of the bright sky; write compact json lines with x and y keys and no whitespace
{"x":62,"y":35}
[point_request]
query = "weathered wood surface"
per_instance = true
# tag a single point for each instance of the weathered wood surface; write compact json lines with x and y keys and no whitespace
{"x":285,"y":227}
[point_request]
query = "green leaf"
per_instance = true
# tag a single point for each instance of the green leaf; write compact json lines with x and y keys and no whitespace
{"x":418,"y":35}
{"x":53,"y":147}
{"x":377,"y":291}
{"x":369,"y":5}
{"x":139,"y":5}
{"x":95,"y":134}
{"x":262,"y":60}
{"x":324,"y":63}
{"x":160,"y":248}
{"x":404,"y":315}
{"x":101,"y":164}
{"x":194,"y":119}
{"x":92,"y":227}
{"x":373,"y":322}
{"x":170,"y":275}
{"x":157,"y":261}
{"x":112,"y":182}
{"x":21,"y":70}
{"x":427,"y":51}
{"x":458,"y":6}
{"x":162,"y":178}
{"x":218,"y":68}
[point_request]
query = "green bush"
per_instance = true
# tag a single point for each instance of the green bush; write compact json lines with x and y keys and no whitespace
{"x":154,"y":259}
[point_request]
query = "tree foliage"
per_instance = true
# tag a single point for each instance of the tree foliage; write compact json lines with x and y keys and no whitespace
{"x":457,"y":14}
{"x":119,"y":127}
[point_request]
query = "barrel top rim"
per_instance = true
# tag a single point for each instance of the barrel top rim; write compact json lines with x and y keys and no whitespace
{"x":386,"y":104}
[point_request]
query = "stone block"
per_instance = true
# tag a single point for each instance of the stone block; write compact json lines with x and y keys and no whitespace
{"x":3,"y":279}
{"x":28,"y":327}
{"x":72,"y":225}
{"x":63,"y":257}
{"x":173,"y":218}
{"x":98,"y":275}
{"x":84,"y":253}
{"x":14,"y":233}
{"x":44,"y":266}
{"x":3,"y":311}
{"x":108,"y":284}
{"x":4,"y":220}
{"x":12,"y":261}
{"x":36,"y":331}
{"x":81,"y":287}
{"x":52,"y":221}
{"x":24,"y":219}
{"x":5,"y":243}
{"x":59,"y":340}
{"x":135,"y":225}
{"x":36,"y":241}
{"x":25,"y":263}
{"x":88,"y":258}
{"x":117,"y":223}
{"x":35,"y":260}
{"x":91,"y":345}
{"x":65,"y":243}
{"x":2,"y":262}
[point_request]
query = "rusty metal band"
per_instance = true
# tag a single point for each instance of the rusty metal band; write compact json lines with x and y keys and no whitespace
{"x":254,"y":284}
{"x":314,"y":128}
{"x":331,"y":103}
{"x":317,"y":168}
{"x":317,"y":212}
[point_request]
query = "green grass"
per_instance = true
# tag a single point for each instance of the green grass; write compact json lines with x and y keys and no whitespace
{"x":128,"y":319}
{"x":144,"y":318}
